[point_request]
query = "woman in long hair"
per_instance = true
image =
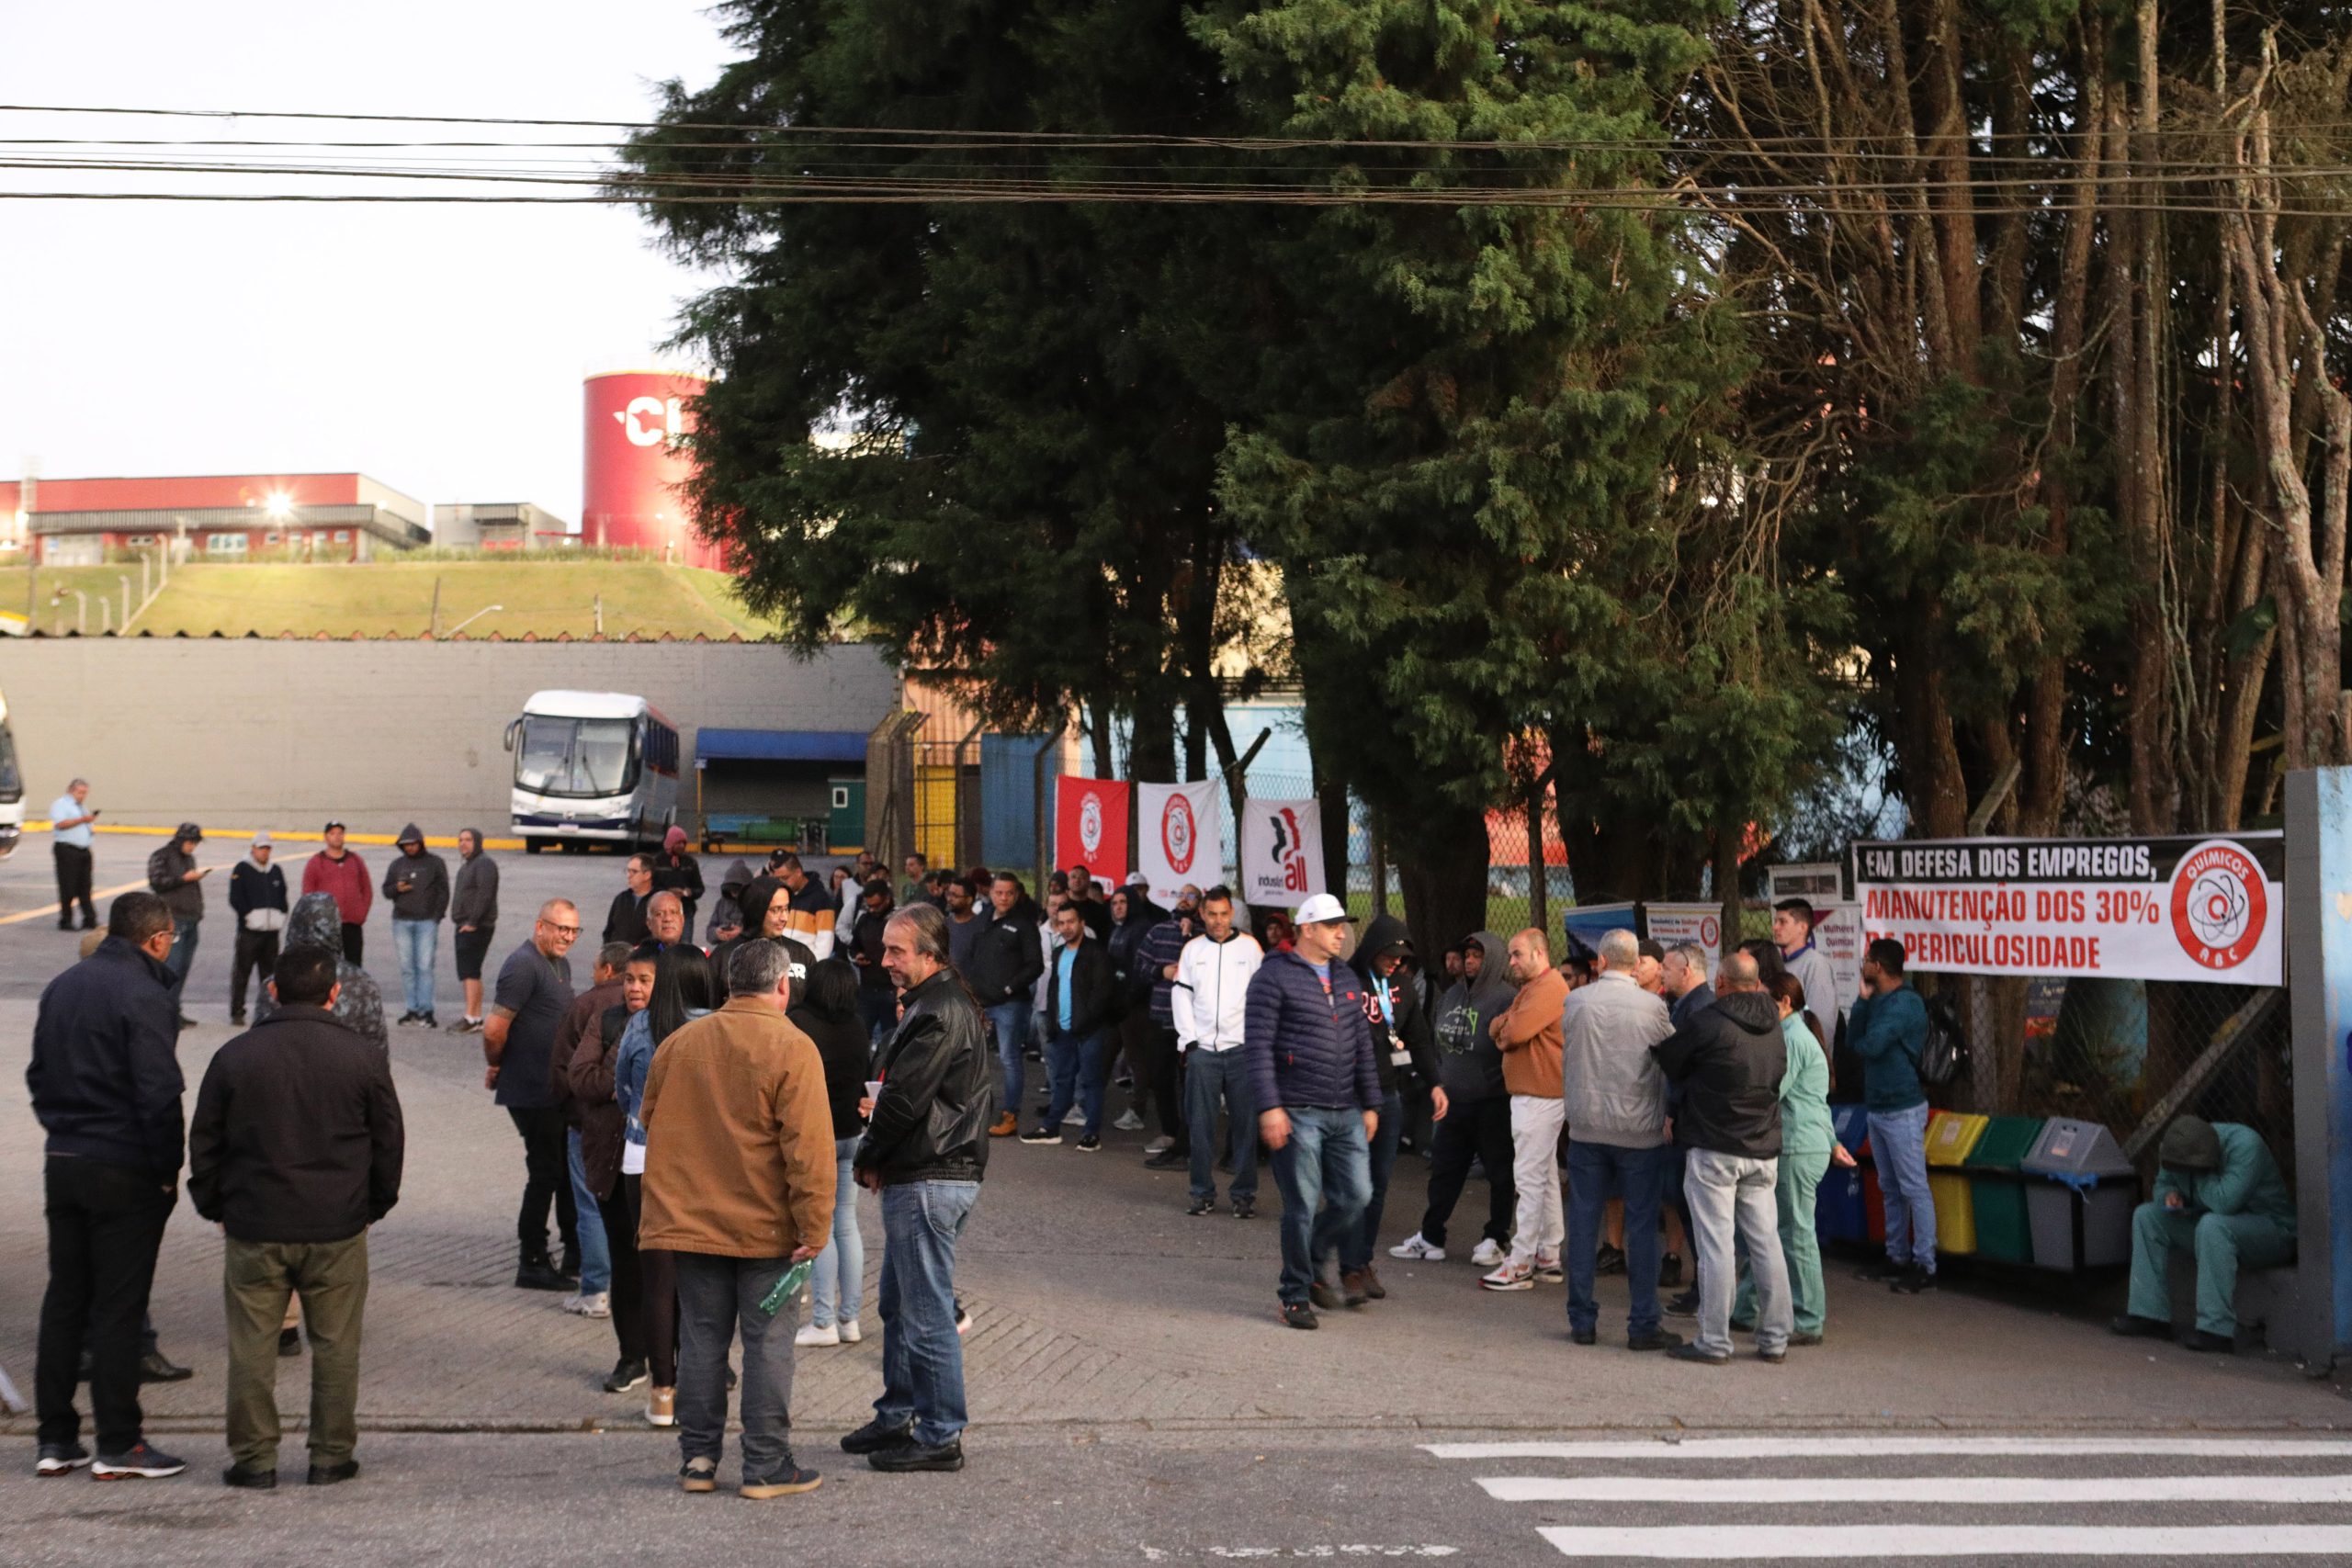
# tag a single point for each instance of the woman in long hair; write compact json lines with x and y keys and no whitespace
{"x":678,"y":978}
{"x":827,"y":1011}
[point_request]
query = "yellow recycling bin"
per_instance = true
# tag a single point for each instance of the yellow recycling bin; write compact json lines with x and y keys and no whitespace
{"x":1952,"y":1138}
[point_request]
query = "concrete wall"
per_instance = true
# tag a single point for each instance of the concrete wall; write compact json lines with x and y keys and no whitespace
{"x":283,"y":735}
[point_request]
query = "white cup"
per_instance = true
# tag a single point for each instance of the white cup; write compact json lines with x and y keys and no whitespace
{"x":874,"y":1089}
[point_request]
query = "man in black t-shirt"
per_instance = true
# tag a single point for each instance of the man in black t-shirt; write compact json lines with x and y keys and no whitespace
{"x":517,"y":1038}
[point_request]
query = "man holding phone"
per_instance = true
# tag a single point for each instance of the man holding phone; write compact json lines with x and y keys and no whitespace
{"x":174,"y":876}
{"x":70,"y":816}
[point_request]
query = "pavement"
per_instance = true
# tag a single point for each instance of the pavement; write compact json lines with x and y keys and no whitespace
{"x":1134,"y":1397}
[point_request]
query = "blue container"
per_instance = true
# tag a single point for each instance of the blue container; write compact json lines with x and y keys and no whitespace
{"x":1839,"y":1212}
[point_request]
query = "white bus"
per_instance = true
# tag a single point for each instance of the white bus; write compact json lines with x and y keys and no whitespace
{"x":12,"y":788}
{"x":593,"y":767}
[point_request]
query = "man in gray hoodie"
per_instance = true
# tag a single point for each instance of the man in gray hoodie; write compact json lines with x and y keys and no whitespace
{"x":473,"y":911}
{"x":1472,"y":1106}
{"x":418,"y":886}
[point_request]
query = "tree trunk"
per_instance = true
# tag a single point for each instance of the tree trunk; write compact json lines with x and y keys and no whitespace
{"x":1442,"y":868}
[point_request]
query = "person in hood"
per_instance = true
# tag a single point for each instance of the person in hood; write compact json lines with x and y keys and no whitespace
{"x":676,"y":870}
{"x":727,"y":910}
{"x":1730,"y":1061}
{"x":317,"y":919}
{"x":2218,"y":1192}
{"x":173,"y":876}
{"x":258,"y":897}
{"x":418,"y":884}
{"x":1472,"y":1106}
{"x":1403,"y":1046}
{"x":473,"y":911}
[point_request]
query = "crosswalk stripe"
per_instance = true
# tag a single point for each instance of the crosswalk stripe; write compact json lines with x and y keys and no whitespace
{"x":1978,"y":1489}
{"x":1897,"y":1444}
{"x":1862,"y":1542}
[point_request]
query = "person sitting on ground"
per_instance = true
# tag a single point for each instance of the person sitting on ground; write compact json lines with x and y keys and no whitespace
{"x":2217,"y":1191}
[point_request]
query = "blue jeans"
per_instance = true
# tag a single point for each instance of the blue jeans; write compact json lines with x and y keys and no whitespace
{"x":1325,"y":1172}
{"x":1899,"y":1144}
{"x":595,"y":1251}
{"x":414,"y":940}
{"x":1211,"y":1076}
{"x":1010,"y":1022}
{"x":1076,"y":1066}
{"x":923,"y":1359}
{"x":183,"y":953}
{"x":1355,"y":1251}
{"x":1642,"y":1172}
{"x":838,"y":1283}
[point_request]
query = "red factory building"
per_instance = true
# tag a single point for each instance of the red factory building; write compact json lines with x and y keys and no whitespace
{"x":223,"y":517}
{"x":632,"y":466}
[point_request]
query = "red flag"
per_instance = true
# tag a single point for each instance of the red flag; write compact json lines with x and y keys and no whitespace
{"x":1091,"y":827}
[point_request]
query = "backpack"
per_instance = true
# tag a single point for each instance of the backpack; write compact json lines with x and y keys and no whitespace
{"x":1943,"y":1056}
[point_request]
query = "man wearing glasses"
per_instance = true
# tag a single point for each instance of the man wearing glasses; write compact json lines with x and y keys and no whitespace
{"x":517,"y":1039}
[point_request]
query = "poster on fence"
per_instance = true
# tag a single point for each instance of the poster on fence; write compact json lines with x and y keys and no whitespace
{"x":1672,"y":924}
{"x":1282,"y":853}
{"x":2173,"y":909}
{"x":1178,"y":839}
{"x":1091,"y":827}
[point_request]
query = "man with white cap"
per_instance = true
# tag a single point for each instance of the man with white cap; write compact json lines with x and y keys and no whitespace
{"x":258,"y":897}
{"x":1308,"y":1051}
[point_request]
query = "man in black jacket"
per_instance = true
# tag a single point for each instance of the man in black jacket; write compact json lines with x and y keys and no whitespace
{"x":1078,"y":1020}
{"x":106,"y":1084}
{"x":258,"y":897}
{"x":1403,"y":1046}
{"x":925,"y":1150}
{"x":1729,"y":1061}
{"x":295,"y":1150}
{"x":1007,"y":958}
{"x":174,"y":876}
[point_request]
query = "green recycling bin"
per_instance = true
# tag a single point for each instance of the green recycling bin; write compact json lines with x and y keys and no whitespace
{"x":2004,"y":1233}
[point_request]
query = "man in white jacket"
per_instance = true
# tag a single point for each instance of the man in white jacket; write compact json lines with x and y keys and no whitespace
{"x":1209,"y":1001}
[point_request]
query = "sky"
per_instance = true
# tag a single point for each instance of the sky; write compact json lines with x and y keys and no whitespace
{"x":437,"y":349}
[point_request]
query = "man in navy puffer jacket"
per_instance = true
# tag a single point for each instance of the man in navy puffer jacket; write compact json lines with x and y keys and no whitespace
{"x":1308,"y":1051}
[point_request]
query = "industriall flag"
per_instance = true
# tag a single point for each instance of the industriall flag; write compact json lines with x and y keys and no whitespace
{"x":1091,"y":827}
{"x":1282,"y":853}
{"x":1177,"y":839}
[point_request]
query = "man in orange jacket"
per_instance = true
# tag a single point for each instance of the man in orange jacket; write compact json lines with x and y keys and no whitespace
{"x":1528,"y":1032}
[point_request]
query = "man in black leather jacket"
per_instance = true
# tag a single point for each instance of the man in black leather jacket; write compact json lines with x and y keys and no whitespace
{"x":926,"y":1145}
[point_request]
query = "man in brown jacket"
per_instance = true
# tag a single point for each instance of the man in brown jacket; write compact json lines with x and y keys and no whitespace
{"x":739,"y":1184}
{"x":1528,"y":1032}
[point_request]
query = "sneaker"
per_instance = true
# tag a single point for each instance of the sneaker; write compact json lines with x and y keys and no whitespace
{"x":329,"y":1474}
{"x":1203,"y":1206}
{"x":817,"y":1334}
{"x":1169,"y":1158}
{"x":698,"y":1475}
{"x":589,"y":1303}
{"x":1088,"y":1141}
{"x":1803,"y":1337}
{"x":901,"y":1458}
{"x":1657,"y":1339}
{"x":786,"y":1480}
{"x":1509,"y":1276}
{"x":138,"y":1462}
{"x":1915,"y":1280}
{"x":538,"y":1274}
{"x":848,"y":1331}
{"x":2195,"y":1339}
{"x":1773,"y":1357}
{"x":963,"y":1318}
{"x":662,"y":1408}
{"x":1006,"y":1126}
{"x":1352,"y":1291}
{"x":1128,"y":1121}
{"x":426,"y":1021}
{"x":1041,"y":1133}
{"x":1548,"y":1272}
{"x":1692,"y":1353}
{"x":1245,"y":1208}
{"x":1372,"y":1285}
{"x":289,"y":1342}
{"x":1609,"y":1260}
{"x":246,"y":1480}
{"x":1488,"y":1254}
{"x":1413,"y":1248}
{"x":1074,"y":1117}
{"x":1669,"y":1269}
{"x":877,"y":1434}
{"x":237,"y":1021}
{"x":625,"y":1375}
{"x":1684,"y":1305}
{"x":61,"y":1459}
{"x":1299,"y":1314}
{"x":404,"y":1018}
{"x":1159,"y":1146}
{"x":1322,"y":1292}
{"x":466,"y":1026}
{"x":1584,"y":1336}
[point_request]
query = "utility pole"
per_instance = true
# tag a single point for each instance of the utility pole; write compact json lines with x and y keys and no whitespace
{"x":437,"y":609}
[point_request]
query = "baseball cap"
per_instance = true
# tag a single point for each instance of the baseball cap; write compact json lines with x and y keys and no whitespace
{"x":261,"y":838}
{"x":331,"y":827}
{"x":1322,"y":907}
{"x":190,"y":830}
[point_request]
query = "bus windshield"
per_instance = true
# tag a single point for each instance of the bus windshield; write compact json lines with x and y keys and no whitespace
{"x":579,"y":758}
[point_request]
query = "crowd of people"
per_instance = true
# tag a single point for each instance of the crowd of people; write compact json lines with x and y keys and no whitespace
{"x":696,"y":1121}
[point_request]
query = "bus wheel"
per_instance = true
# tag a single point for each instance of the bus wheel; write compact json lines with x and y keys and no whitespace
{"x":530,"y":846}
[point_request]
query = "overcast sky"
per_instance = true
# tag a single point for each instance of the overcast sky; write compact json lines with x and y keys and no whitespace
{"x":438,"y":349}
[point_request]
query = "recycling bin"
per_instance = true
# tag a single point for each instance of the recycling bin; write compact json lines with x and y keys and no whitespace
{"x":1839,"y":1214}
{"x":1997,"y":1188}
{"x":2079,"y":1196}
{"x":1951,"y":1137}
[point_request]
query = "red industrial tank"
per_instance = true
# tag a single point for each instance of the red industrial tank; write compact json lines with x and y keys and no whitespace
{"x":629,"y":497}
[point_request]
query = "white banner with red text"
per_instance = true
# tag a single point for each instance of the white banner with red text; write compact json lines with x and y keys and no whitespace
{"x":1178,"y":841}
{"x":1282,"y":853}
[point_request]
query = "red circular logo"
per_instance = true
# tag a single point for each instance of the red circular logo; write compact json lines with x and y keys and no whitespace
{"x":1176,"y":833}
{"x":2218,"y":906}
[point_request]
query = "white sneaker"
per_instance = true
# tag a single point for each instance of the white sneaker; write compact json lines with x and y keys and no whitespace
{"x":1128,"y":1121}
{"x":1509,"y":1275}
{"x":1413,"y":1246}
{"x":589,"y":1303}
{"x":1074,"y":1117}
{"x":1487,"y":1255}
{"x":810,"y":1334}
{"x":1159,"y":1146}
{"x":849,"y":1331}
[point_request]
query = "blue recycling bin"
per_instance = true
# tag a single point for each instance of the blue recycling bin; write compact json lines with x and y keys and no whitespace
{"x":1839,"y":1212}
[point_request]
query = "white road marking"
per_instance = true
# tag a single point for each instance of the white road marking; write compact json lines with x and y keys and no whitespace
{"x":1977,"y":1489}
{"x":1897,"y":1444}
{"x":1746,"y":1543}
